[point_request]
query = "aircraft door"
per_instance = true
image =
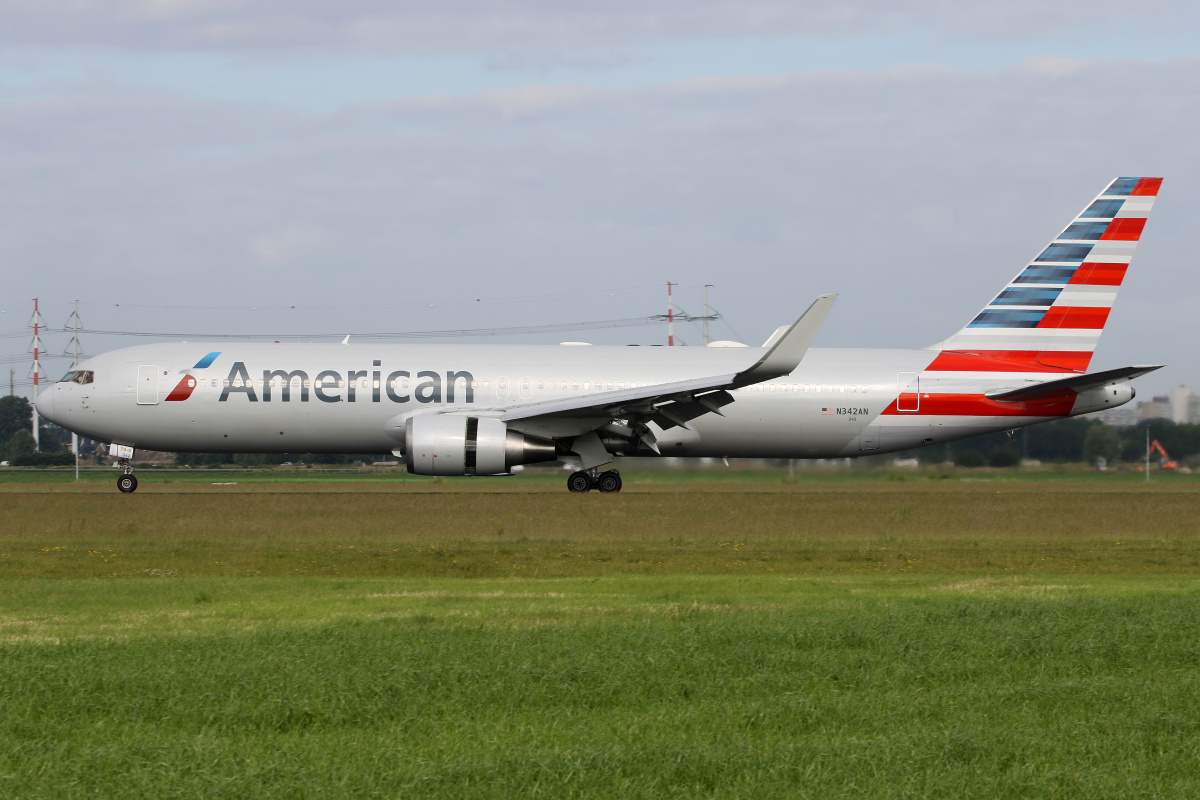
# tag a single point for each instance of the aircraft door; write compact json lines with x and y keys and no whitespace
{"x":147,"y":385}
{"x":909,"y":399}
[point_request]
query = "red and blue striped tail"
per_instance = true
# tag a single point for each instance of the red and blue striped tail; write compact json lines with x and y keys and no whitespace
{"x":1050,"y":317}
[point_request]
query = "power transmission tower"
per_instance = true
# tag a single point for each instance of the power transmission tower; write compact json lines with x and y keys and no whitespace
{"x":37,"y":369}
{"x":73,"y":324}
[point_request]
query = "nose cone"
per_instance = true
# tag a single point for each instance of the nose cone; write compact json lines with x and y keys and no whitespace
{"x":45,"y":404}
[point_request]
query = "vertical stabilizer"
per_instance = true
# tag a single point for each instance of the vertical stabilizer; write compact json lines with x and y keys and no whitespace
{"x":1050,"y":317}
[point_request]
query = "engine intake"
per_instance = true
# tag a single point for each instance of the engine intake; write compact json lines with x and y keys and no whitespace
{"x":455,"y":444}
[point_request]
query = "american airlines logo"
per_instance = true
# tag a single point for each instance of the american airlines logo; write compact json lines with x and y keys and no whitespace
{"x":332,"y":386}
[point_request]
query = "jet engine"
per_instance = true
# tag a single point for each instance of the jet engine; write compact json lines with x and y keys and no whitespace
{"x":455,"y":444}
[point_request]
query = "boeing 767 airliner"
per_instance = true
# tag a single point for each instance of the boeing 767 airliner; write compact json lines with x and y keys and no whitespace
{"x":485,"y":409}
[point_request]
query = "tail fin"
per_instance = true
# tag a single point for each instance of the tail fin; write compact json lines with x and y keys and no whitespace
{"x":1050,"y":317}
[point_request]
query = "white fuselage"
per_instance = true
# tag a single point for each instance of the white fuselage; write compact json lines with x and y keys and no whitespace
{"x":266,"y":397}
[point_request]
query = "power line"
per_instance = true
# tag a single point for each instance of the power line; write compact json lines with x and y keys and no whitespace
{"x":630,"y":322}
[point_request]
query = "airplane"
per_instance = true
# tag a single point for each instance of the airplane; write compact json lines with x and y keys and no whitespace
{"x":451,"y":409}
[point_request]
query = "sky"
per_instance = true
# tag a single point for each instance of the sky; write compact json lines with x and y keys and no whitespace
{"x":296,"y":168}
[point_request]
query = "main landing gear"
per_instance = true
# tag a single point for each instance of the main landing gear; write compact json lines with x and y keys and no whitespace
{"x":586,"y":480}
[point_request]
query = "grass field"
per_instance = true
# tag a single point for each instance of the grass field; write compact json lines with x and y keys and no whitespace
{"x":927,"y":638}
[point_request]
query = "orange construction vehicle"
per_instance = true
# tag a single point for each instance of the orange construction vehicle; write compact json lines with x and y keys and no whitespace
{"x":1166,"y":462}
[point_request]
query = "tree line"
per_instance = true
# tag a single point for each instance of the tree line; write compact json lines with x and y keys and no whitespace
{"x":1077,"y":439}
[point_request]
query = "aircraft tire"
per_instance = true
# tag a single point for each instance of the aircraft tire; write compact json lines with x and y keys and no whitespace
{"x":579,"y":482}
{"x":609,"y":481}
{"x":127,"y":483}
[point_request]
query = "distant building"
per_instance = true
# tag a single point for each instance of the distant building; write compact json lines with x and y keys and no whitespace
{"x":1185,"y":406}
{"x":1159,"y":407}
{"x":1126,"y":416}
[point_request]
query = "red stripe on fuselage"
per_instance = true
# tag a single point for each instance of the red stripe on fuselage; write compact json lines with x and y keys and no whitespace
{"x":1100,"y":274}
{"x":977,"y":405}
{"x":1126,"y":229}
{"x":1011,"y":361}
{"x":1147,"y":187}
{"x":183,"y":390}
{"x":1084,"y":317}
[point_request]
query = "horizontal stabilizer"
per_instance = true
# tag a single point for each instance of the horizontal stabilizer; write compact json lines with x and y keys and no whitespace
{"x":1075,"y":383}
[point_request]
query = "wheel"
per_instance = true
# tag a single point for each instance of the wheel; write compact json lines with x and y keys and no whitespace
{"x":609,"y":481}
{"x":579,"y":482}
{"x":127,"y":483}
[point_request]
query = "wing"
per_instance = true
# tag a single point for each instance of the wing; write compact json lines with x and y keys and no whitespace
{"x":679,"y":402}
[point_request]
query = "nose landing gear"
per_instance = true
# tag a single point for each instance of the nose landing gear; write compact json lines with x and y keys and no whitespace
{"x":126,"y":482}
{"x":586,"y":480}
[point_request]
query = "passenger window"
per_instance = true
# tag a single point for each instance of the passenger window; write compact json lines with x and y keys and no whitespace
{"x":817,"y":388}
{"x":621,"y":385}
{"x":806,"y":388}
{"x":191,"y":383}
{"x":864,"y":388}
{"x":226,"y":382}
{"x":575,"y":385}
{"x":540,"y":384}
{"x":486,"y":384}
{"x":772,"y":388}
{"x":474,"y":384}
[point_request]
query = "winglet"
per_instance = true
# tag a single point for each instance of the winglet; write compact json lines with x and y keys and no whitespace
{"x":788,"y":349}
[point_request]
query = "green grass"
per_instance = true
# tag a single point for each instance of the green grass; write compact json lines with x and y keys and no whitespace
{"x":923,"y":639}
{"x":619,"y":687}
{"x":522,"y":531}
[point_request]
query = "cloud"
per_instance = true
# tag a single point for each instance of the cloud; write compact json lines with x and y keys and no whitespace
{"x":291,"y":243}
{"x":915,"y":192}
{"x":517,"y":27}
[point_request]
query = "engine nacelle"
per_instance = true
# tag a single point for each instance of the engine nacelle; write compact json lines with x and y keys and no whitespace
{"x":1101,"y":397}
{"x":455,"y":444}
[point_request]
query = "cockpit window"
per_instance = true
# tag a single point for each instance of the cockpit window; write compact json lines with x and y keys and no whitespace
{"x":83,"y":376}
